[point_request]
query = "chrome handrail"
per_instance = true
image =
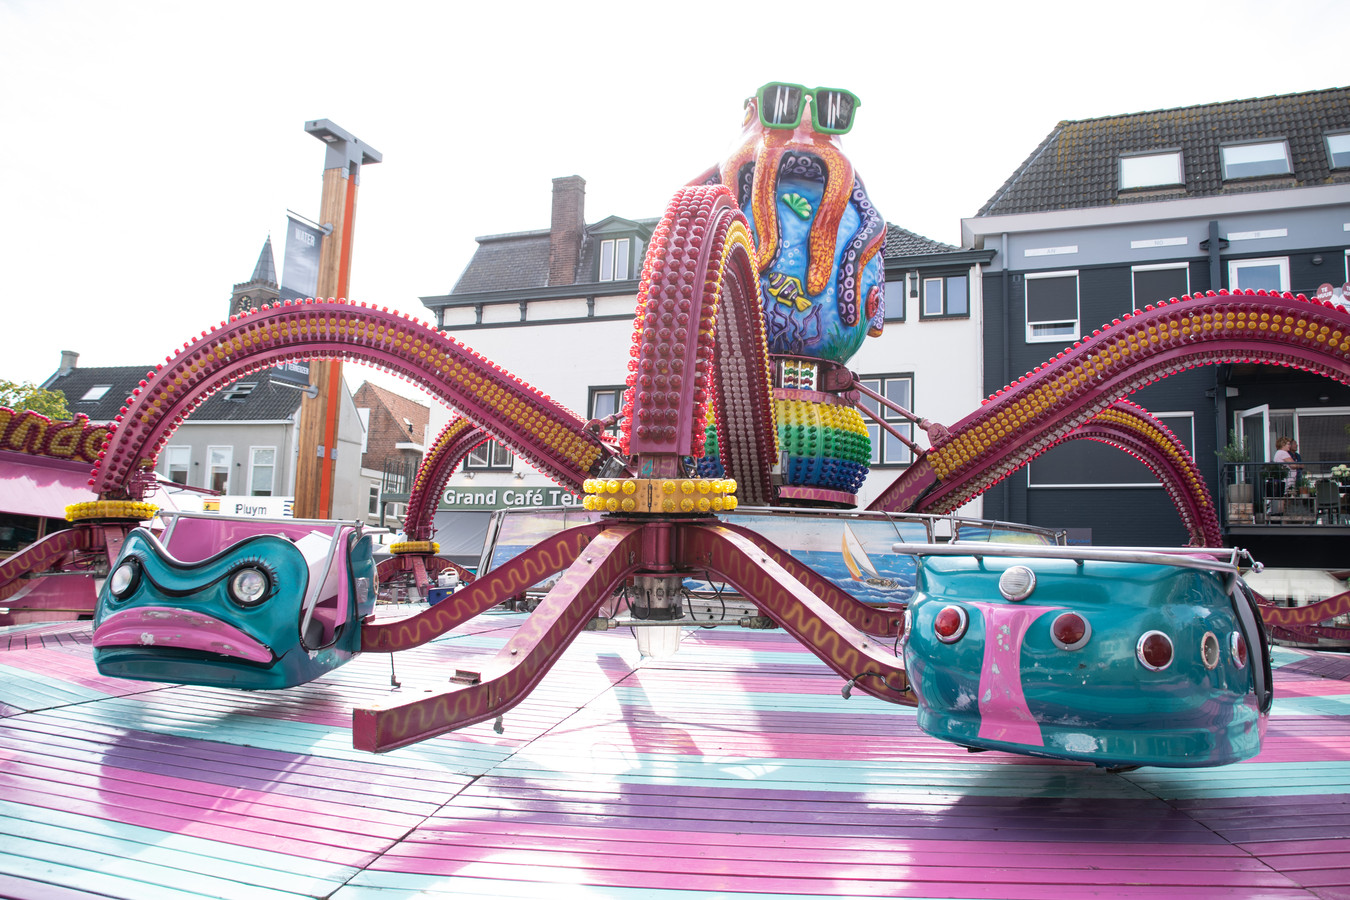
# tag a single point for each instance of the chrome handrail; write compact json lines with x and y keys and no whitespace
{"x":1211,"y":559}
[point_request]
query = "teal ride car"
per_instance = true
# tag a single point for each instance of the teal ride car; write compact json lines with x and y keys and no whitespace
{"x":240,"y":603}
{"x":1117,"y":657}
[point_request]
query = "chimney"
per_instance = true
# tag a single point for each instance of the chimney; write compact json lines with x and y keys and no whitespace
{"x":566,"y":229}
{"x":68,"y":360}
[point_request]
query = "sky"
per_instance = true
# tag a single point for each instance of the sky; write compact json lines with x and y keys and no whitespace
{"x":150,"y":148}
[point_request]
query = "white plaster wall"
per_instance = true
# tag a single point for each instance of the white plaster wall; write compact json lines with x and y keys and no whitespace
{"x":566,"y":360}
{"x":947,"y":359}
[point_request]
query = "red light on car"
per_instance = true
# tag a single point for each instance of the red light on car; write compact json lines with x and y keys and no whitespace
{"x":950,"y":624}
{"x":1070,"y":631}
{"x":1237,"y":648}
{"x":1154,"y":650}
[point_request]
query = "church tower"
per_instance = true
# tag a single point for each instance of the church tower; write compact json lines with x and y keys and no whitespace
{"x":261,"y":288}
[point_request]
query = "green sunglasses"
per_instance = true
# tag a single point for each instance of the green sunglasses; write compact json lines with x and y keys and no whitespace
{"x":781,"y":104}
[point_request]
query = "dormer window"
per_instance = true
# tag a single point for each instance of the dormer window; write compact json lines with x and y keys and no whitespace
{"x":1338,"y":150}
{"x":240,"y":390}
{"x":614,"y":256}
{"x":1255,"y":160}
{"x":1148,"y":170}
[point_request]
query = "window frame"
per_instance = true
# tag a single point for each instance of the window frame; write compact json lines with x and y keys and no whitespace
{"x":596,"y":391}
{"x":95,"y":393}
{"x":1155,"y":267}
{"x":1031,"y":336}
{"x":1331,"y":152}
{"x":211,"y":467}
{"x":253,"y":467}
{"x":373,"y":504}
{"x":612,"y":246}
{"x":879,"y":382}
{"x":169,"y":453}
{"x":944,"y":295}
{"x":487,"y":457}
{"x":1235,"y":265}
{"x":893,"y":287}
{"x":1224,"y":164}
{"x":1121,"y":161}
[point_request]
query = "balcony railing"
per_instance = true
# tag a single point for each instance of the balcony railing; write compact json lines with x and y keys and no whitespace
{"x":1277,"y":496}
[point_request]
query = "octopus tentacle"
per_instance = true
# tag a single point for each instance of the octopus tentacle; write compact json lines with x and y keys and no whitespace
{"x":825,"y":228}
{"x":764,"y":196}
{"x":869,"y":237}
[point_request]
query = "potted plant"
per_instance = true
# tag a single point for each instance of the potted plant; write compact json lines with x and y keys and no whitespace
{"x":1233,"y":453}
{"x":1340,"y":474}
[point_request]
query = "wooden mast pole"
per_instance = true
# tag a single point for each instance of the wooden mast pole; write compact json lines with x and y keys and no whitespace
{"x":317,"y":463}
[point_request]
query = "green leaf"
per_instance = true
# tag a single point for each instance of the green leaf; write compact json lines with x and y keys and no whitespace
{"x":798,"y":204}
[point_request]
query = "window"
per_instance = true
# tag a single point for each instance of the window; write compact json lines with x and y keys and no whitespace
{"x":614,"y":259}
{"x":1271,"y":274}
{"x":897,"y":293}
{"x":887,"y":449}
{"x":946,"y":295}
{"x":374,"y":507}
{"x":96,"y":392}
{"x":604,"y":402}
{"x":176,"y":462}
{"x":1338,"y":150}
{"x":1052,"y":306}
{"x":1255,"y":160}
{"x":1320,"y":432}
{"x":488,"y":456}
{"x":218,"y":468}
{"x":1085,"y":463}
{"x":1151,"y":170}
{"x":262,"y":466}
{"x":1153,"y":284}
{"x":240,"y":390}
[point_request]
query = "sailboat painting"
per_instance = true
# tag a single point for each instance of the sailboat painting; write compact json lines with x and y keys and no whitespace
{"x":859,"y":564}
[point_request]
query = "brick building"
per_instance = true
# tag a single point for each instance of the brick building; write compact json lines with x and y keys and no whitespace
{"x":396,"y":436}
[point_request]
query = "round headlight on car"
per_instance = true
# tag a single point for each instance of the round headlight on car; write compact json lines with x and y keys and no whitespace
{"x":249,"y":586}
{"x":1016,"y":583}
{"x":125,"y":578}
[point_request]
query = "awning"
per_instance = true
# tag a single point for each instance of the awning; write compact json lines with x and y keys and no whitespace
{"x":461,"y":534}
{"x":41,"y":486}
{"x":1301,"y":586}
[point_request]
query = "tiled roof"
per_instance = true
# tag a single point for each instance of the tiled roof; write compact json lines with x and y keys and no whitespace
{"x":518,"y":261}
{"x":902,"y":242}
{"x":78,"y":382}
{"x":1076,"y":166}
{"x":506,"y":262}
{"x":398,"y":406}
{"x":265,"y":402}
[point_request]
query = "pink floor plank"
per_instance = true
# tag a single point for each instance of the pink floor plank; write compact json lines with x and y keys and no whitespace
{"x":733,"y":767}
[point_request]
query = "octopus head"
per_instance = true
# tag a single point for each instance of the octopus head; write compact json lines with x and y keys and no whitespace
{"x":818,"y":238}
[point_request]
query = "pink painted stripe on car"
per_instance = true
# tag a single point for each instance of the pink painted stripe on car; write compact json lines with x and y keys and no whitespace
{"x":162,"y":626}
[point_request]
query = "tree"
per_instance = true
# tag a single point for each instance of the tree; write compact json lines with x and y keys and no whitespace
{"x":19,"y":396}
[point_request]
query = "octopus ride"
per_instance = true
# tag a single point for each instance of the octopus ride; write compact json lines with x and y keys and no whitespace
{"x":742,"y":430}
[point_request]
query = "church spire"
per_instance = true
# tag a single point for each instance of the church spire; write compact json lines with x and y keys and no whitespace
{"x":265,"y":272}
{"x":261,"y":288}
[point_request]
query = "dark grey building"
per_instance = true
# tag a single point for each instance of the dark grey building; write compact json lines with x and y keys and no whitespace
{"x":1108,"y":215}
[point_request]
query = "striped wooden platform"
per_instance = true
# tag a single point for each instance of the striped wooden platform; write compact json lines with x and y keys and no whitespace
{"x":734,"y":770}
